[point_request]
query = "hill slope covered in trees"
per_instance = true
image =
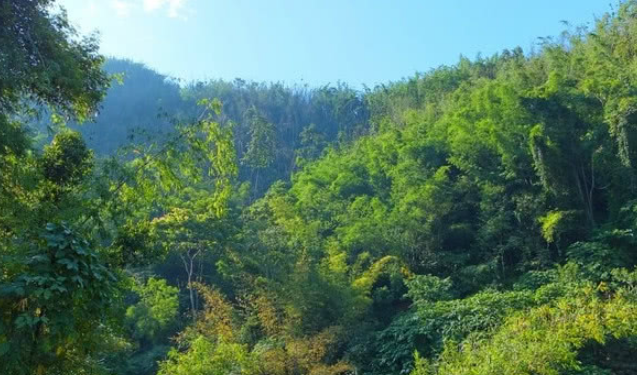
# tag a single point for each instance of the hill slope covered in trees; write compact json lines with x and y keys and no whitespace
{"x":476,"y":219}
{"x":277,"y":128}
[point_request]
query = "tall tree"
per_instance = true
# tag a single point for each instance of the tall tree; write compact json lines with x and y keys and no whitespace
{"x":262,"y":147}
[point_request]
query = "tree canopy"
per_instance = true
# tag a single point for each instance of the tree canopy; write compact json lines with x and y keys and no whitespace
{"x":478,"y":218}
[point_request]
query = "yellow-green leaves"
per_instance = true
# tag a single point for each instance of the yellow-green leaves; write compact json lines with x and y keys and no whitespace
{"x":544,"y":340}
{"x":550,"y":223}
{"x":156,"y":310}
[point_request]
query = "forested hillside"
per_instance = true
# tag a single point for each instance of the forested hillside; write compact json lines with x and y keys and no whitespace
{"x":276,"y":128}
{"x":476,"y":219}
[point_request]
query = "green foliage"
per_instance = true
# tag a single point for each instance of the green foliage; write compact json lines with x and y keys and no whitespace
{"x":67,"y":159}
{"x":427,"y":288}
{"x":475,"y":219}
{"x":47,"y":61}
{"x":546,"y":339}
{"x":477,"y":180}
{"x":54,"y":304}
{"x":312,"y":144}
{"x":550,"y":223}
{"x":262,"y":146}
{"x":155,"y":313}
{"x":143,"y":362}
{"x":134,"y":244}
{"x":204,"y":357}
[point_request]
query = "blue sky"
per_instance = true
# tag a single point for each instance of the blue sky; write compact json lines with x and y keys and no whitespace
{"x":319,"y":41}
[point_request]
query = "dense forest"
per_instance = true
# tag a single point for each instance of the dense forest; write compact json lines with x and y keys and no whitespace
{"x":277,"y":128}
{"x":479,"y":218}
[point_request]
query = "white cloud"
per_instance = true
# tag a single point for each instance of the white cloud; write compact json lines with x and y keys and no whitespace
{"x":122,"y":8}
{"x":150,"y":5}
{"x":173,"y":7}
{"x":126,"y":8}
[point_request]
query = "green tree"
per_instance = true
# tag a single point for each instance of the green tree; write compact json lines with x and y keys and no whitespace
{"x":44,"y":61}
{"x":261,"y":150}
{"x":155,"y":313}
{"x":55,"y":302}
